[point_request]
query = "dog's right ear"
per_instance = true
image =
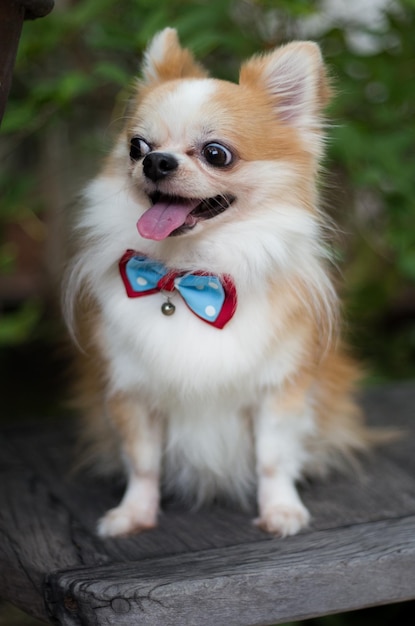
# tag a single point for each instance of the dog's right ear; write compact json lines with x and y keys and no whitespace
{"x":165,"y":59}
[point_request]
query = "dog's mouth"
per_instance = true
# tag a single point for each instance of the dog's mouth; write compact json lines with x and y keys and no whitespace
{"x":173,"y":215}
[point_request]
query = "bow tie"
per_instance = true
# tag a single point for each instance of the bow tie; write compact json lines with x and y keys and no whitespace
{"x":212,"y":298}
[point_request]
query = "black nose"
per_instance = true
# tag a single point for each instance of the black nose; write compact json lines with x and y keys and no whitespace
{"x":157,"y":165}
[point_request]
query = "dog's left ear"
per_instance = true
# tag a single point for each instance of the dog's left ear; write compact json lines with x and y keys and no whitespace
{"x":165,"y":59}
{"x":294,"y":78}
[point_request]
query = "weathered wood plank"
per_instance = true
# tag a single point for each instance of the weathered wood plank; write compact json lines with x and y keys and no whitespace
{"x":360,"y":523}
{"x":37,"y":533}
{"x":21,"y":574}
{"x":86,"y":498}
{"x":247,"y":585}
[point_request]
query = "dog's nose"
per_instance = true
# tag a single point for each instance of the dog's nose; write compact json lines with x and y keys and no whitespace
{"x":157,"y":165}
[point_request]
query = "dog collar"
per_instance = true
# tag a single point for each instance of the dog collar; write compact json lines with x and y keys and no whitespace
{"x":212,"y":298}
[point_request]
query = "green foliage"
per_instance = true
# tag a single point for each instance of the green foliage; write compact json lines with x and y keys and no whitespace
{"x":374,"y":148}
{"x":96,"y":45}
{"x":74,"y":64}
{"x":16,"y":328}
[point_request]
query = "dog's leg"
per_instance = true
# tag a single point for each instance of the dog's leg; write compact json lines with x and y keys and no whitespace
{"x":281,"y":427}
{"x":141,"y":443}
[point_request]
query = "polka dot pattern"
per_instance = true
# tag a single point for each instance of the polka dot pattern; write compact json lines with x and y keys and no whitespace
{"x":204,"y":294}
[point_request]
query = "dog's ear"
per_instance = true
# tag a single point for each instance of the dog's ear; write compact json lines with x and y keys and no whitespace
{"x":165,"y":59}
{"x":295,"y":81}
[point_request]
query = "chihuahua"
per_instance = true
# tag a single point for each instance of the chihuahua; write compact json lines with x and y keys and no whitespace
{"x":199,"y":290}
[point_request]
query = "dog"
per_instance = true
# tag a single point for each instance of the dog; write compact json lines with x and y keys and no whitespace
{"x":200,"y":292}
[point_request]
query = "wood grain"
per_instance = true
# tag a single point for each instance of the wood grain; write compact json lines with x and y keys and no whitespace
{"x":207,"y":567}
{"x":258,"y":583}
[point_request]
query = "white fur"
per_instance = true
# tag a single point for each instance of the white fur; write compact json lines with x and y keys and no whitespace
{"x":292,"y":79}
{"x":160,"y":119}
{"x":156,"y":52}
{"x":137,"y":511}
{"x":210,"y":389}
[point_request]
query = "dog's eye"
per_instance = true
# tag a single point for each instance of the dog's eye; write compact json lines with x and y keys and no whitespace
{"x":217,"y":155}
{"x":138,"y":148}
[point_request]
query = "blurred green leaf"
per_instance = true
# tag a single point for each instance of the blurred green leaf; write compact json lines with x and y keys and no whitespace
{"x":16,"y":327}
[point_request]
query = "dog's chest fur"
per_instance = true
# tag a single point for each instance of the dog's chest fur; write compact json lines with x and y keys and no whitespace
{"x":204,"y":383}
{"x":182,"y":356}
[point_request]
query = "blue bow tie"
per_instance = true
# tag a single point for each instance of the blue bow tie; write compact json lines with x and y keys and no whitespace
{"x":210,"y":297}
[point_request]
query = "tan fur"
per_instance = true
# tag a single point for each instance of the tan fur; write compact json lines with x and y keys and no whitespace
{"x":176,"y":62}
{"x":99,"y":446}
{"x":165,"y":400}
{"x":254,"y":67}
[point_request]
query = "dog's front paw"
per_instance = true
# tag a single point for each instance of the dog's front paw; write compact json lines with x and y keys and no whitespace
{"x":124,"y":520}
{"x":283,"y":520}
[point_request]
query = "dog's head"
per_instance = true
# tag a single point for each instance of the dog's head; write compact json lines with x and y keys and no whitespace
{"x":200,"y":151}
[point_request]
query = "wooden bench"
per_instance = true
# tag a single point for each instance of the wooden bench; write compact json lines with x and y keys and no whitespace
{"x":211,"y":567}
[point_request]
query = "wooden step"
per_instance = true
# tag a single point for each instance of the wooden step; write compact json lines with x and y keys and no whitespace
{"x":210,"y":567}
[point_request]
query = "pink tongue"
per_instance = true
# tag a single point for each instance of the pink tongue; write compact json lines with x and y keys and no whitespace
{"x":164,"y":217}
